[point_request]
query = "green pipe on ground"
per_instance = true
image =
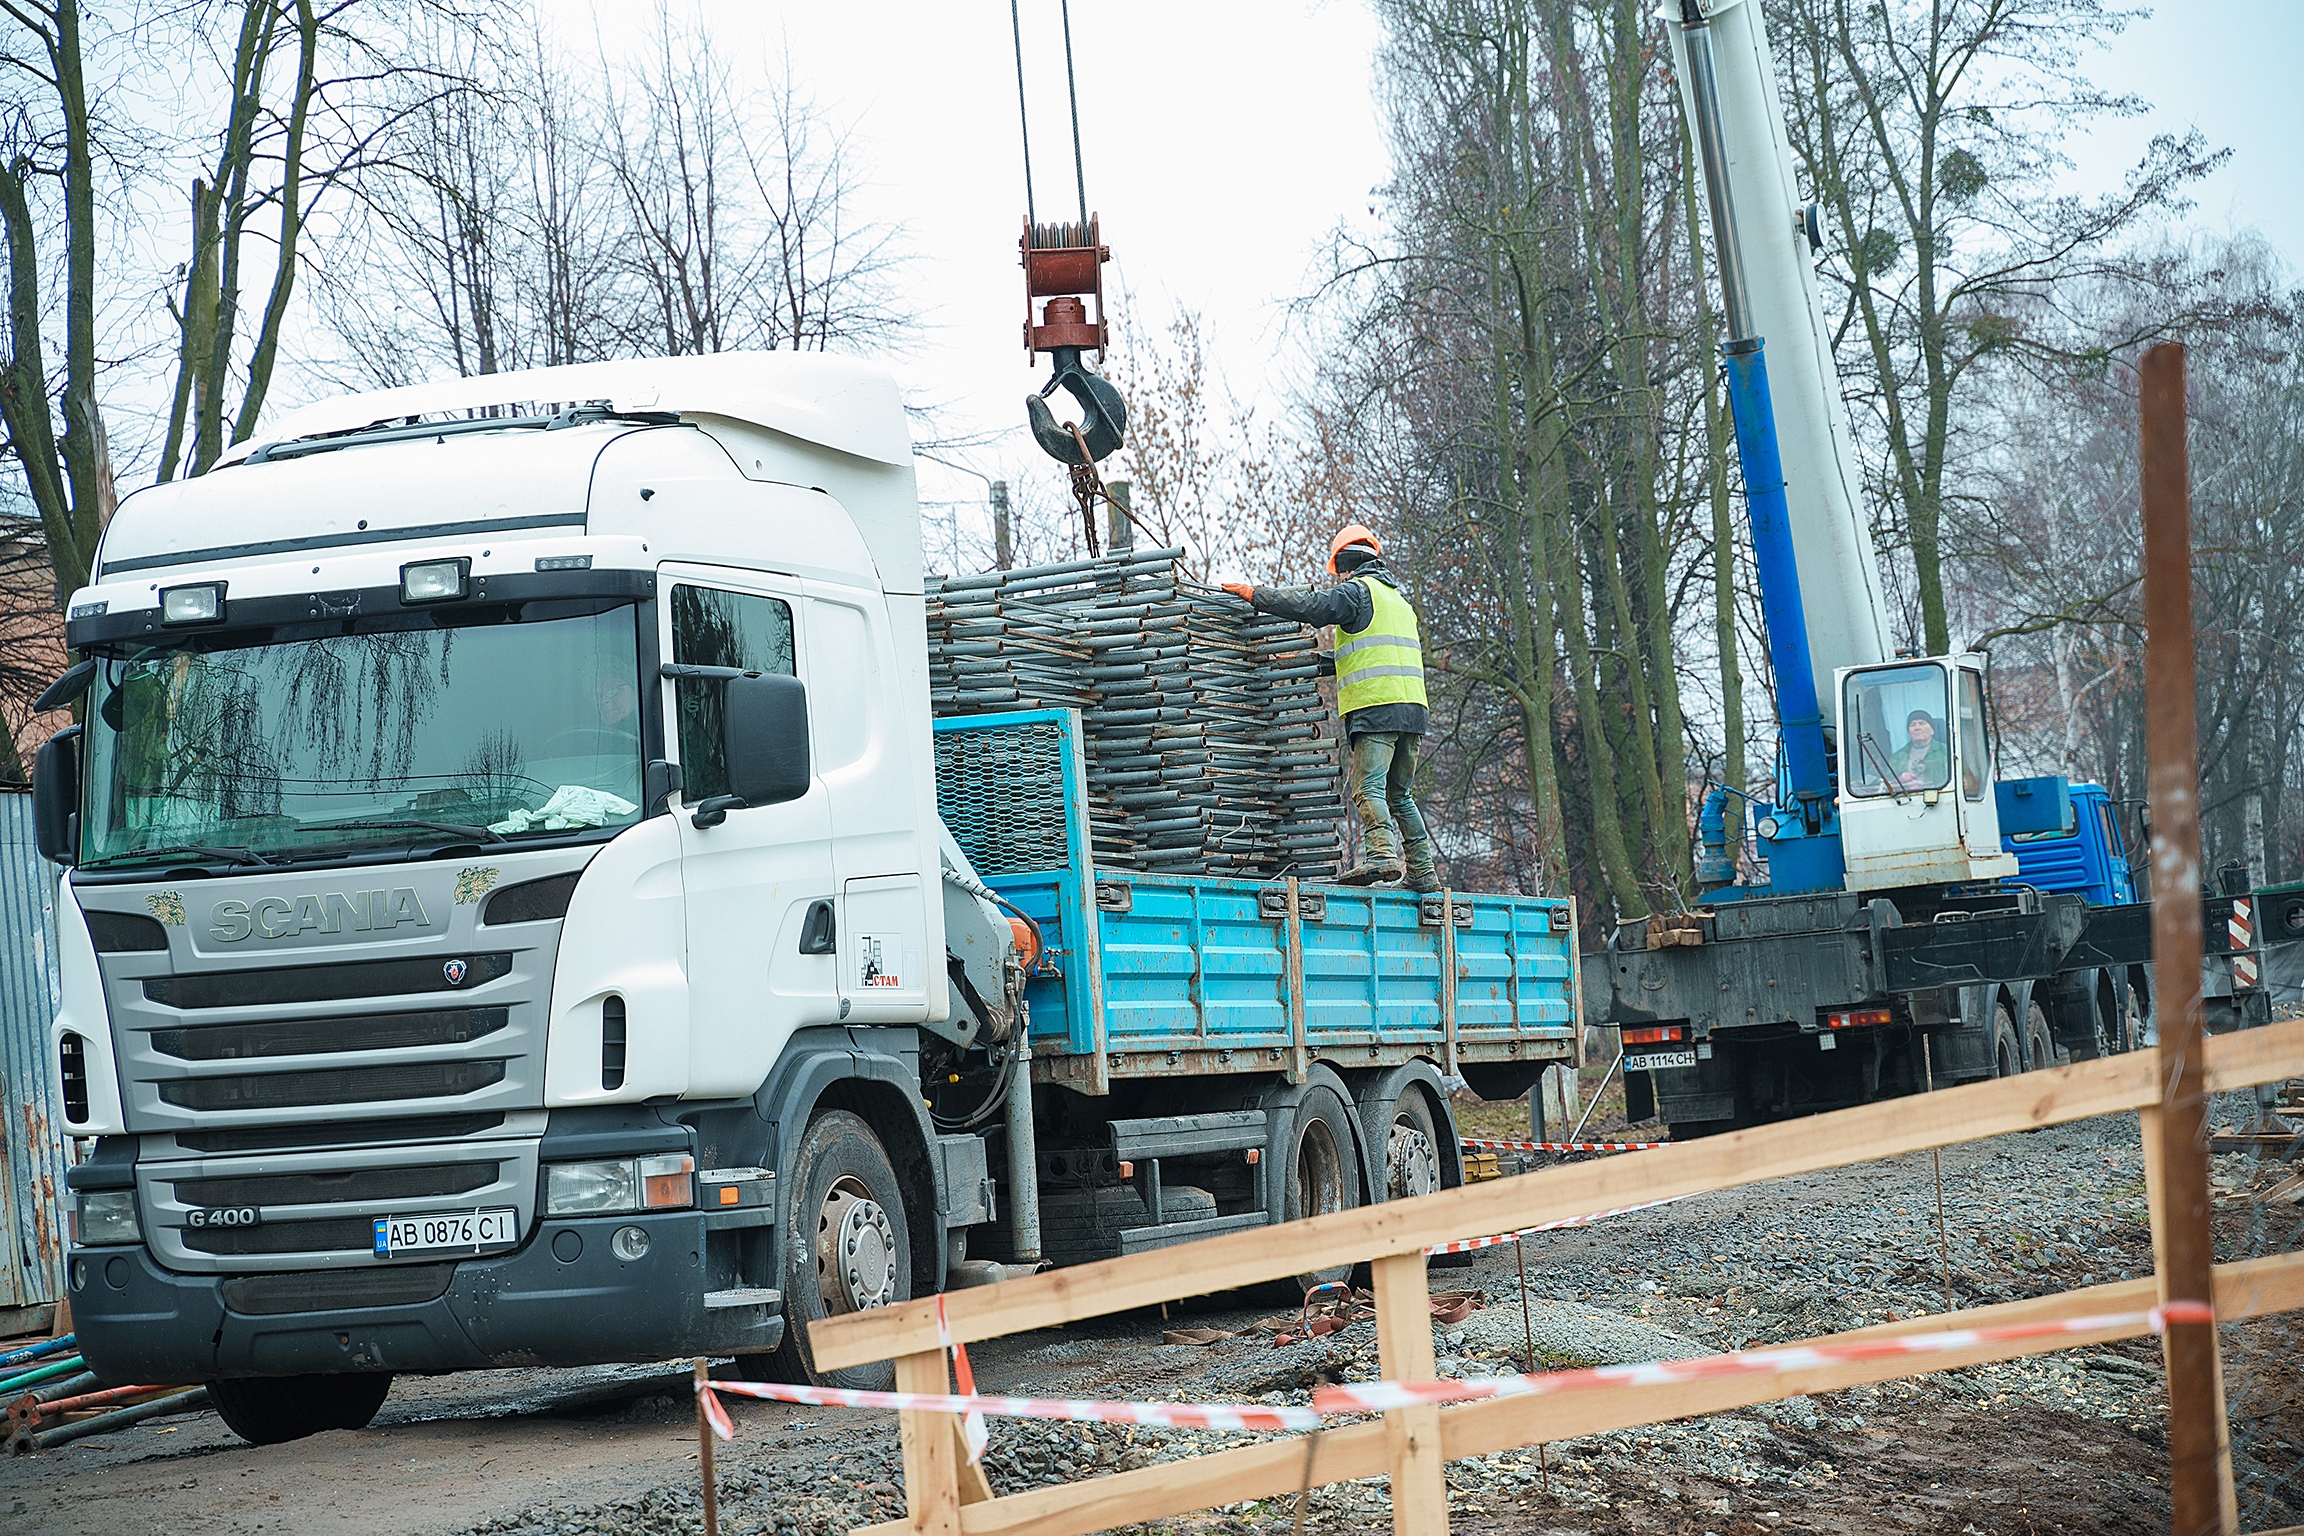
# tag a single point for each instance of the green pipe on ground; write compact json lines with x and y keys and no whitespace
{"x":44,"y":1373}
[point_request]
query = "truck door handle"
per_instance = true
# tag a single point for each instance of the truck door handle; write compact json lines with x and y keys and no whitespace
{"x":817,"y":935}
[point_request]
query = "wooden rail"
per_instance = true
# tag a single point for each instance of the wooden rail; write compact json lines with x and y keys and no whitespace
{"x":1411,"y":1444}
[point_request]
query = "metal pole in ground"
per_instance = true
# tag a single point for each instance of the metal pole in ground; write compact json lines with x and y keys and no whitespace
{"x":2198,"y":1468}
{"x":704,"y":1454}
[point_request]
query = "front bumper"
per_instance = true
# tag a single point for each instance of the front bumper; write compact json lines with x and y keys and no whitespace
{"x":561,"y":1299}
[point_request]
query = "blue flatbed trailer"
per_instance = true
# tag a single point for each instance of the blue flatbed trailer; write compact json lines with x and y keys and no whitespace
{"x":1176,"y":998}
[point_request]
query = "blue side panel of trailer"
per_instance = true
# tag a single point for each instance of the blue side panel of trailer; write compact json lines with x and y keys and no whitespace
{"x":1139,"y":965}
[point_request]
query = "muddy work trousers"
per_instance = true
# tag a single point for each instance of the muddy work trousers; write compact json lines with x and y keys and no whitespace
{"x":1383,"y":767}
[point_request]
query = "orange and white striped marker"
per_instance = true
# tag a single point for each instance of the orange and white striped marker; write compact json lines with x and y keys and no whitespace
{"x":2240,"y":929}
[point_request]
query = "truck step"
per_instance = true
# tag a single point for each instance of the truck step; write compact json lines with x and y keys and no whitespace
{"x":1137,"y":1239}
{"x":743,"y":1296}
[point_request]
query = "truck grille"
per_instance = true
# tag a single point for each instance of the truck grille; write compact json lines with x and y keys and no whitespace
{"x":334,"y":1236}
{"x":319,"y":1207}
{"x":336,"y":1133}
{"x":365,"y":1184}
{"x":395,"y":1285}
{"x":237,"y":1046}
{"x":322,"y":983}
{"x":319,"y":1037}
{"x":338,"y":1085}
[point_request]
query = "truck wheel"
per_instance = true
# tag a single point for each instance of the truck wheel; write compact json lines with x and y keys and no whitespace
{"x":2039,"y":1040}
{"x":1411,"y":1148}
{"x":846,"y":1249}
{"x":272,"y":1410}
{"x":1078,"y":1226}
{"x":1318,"y":1172}
{"x":2007,"y":1049}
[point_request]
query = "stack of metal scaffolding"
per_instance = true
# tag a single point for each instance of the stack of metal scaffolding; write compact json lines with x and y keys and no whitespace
{"x":1210,"y":750}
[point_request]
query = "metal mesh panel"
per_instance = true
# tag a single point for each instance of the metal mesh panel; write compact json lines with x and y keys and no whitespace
{"x":1000,"y":788}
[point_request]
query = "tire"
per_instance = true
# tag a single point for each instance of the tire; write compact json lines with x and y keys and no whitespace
{"x":1412,"y":1160}
{"x":1083,"y":1225}
{"x":846,"y":1205}
{"x":2097,"y":1044}
{"x":1318,"y":1172}
{"x":2039,"y":1041}
{"x":2007,"y":1047}
{"x":273,"y":1410}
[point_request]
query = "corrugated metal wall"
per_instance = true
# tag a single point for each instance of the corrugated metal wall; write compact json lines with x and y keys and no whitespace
{"x":31,"y":1272}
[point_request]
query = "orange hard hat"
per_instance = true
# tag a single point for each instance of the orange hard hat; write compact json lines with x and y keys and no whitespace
{"x":1347,"y":536}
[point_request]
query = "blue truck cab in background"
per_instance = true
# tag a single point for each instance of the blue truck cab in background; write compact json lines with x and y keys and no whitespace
{"x":2067,"y":837}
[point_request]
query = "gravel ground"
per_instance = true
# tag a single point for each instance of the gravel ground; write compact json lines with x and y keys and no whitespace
{"x":2073,"y":1442}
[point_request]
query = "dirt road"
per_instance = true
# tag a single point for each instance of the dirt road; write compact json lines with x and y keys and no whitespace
{"x":2064,"y":1443}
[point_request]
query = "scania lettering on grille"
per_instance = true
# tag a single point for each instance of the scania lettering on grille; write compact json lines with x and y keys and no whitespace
{"x":282,"y":917}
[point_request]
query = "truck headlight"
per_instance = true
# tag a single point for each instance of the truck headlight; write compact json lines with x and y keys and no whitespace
{"x":107,"y":1216}
{"x":435,"y":581}
{"x":661,"y":1183}
{"x":200,"y":604}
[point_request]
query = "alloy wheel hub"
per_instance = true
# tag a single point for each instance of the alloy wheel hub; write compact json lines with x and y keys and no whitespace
{"x":855,"y":1251}
{"x":1411,"y":1162}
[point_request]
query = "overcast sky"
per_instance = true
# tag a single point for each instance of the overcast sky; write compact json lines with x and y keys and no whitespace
{"x":1222,"y":143}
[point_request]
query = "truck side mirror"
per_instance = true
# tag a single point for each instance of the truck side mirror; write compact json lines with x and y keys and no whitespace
{"x":764,"y":738}
{"x":56,"y":797}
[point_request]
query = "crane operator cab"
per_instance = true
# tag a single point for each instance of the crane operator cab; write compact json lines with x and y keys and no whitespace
{"x":1916,"y":798}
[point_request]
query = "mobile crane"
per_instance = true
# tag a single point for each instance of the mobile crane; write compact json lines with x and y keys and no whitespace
{"x":1916,"y":922}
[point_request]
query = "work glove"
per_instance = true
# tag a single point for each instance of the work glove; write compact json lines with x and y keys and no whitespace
{"x":1241,"y":590}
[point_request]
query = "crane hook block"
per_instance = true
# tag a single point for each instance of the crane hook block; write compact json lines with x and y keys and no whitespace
{"x":1103,"y":414}
{"x":1064,"y":265}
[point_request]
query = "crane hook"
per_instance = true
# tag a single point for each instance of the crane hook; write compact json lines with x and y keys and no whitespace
{"x":1103,"y":414}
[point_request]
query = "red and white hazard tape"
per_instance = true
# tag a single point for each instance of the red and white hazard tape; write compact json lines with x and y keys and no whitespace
{"x":1492,"y":1145}
{"x":1175,"y":1415}
{"x":1467,"y":1244}
{"x":1377,"y":1396}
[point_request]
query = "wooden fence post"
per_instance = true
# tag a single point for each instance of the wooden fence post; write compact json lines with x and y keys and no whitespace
{"x":2199,"y":1465}
{"x":931,"y":1443}
{"x":1404,"y":1353}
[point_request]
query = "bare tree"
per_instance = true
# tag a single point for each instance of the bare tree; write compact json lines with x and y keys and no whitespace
{"x":2052,"y":553}
{"x":67,"y":475}
{"x":31,"y":650}
{"x":1931,"y":130}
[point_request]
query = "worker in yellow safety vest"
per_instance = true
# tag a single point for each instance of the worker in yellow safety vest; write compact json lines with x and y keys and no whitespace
{"x":1379,"y":661}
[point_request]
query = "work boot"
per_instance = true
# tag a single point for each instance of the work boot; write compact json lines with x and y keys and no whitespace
{"x":1373,"y":872}
{"x":1424,"y":884}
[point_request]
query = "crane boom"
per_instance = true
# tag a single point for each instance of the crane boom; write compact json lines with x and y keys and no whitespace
{"x":1840,"y":589}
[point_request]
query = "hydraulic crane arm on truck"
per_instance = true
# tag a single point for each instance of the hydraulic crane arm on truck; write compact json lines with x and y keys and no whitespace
{"x":1883,"y":938}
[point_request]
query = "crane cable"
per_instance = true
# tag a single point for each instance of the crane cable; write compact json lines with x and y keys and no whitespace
{"x":1024,"y":114}
{"x":1072,"y":86}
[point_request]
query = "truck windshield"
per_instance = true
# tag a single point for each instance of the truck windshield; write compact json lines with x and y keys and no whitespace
{"x":310,"y":747}
{"x":1892,"y":729}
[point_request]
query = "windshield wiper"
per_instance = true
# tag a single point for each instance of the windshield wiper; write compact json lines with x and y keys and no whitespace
{"x":456,"y":828}
{"x":201,"y":850}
